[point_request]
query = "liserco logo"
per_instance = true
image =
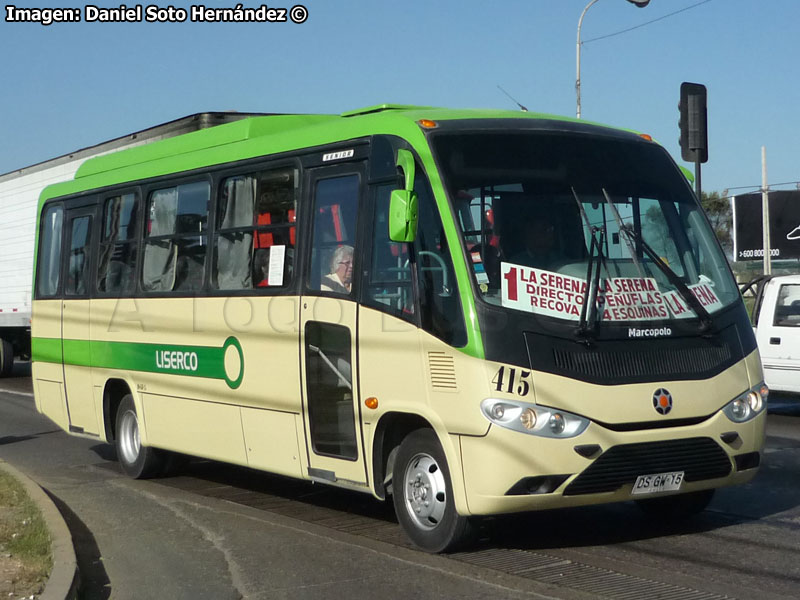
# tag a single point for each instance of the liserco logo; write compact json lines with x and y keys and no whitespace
{"x":662,"y":401}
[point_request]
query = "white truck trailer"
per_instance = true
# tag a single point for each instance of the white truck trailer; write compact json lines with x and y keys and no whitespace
{"x":19,"y":195}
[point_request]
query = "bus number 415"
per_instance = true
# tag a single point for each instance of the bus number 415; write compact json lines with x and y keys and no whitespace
{"x":503,"y":385}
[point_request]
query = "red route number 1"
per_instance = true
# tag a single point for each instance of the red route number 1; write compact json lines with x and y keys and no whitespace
{"x":511,"y":278}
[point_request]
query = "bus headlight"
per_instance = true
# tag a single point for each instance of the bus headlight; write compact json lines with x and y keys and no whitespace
{"x":502,"y":413}
{"x":748,"y":405}
{"x":533,"y":419}
{"x":557,"y":423}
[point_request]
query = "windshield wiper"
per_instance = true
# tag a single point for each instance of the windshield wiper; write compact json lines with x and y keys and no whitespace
{"x":586,"y":325}
{"x":636,"y":238}
{"x":621,"y":225}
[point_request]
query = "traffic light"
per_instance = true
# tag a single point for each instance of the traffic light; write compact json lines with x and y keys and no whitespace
{"x":693,"y":122}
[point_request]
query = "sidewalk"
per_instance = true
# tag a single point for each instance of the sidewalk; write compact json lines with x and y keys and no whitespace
{"x":64,"y":577}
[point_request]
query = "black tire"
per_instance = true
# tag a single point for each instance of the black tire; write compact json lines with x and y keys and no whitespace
{"x":138,"y":462}
{"x":6,"y":358}
{"x":674,"y":508}
{"x":423,"y":495}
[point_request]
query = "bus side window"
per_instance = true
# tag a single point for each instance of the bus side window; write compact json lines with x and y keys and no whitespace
{"x":275,"y":220}
{"x":440,"y":305}
{"x":50,"y":253}
{"x":117,"y":257}
{"x":78,"y":261}
{"x":234,"y":242}
{"x":388,"y":285}
{"x":256,"y":230}
{"x":175,"y":245}
{"x":335,"y":209}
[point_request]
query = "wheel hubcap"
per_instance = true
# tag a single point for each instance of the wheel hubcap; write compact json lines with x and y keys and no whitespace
{"x":130,"y":443}
{"x":425,"y":491}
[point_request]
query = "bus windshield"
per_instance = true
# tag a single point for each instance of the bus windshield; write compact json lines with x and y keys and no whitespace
{"x":573,"y":226}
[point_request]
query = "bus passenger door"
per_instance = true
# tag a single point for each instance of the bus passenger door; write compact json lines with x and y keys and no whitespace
{"x":75,"y":314}
{"x":328,"y":330}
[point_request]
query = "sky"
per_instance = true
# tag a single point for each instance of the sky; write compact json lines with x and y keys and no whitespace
{"x":67,"y":86}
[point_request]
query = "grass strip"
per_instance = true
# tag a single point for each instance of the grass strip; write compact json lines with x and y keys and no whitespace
{"x":23,"y":535}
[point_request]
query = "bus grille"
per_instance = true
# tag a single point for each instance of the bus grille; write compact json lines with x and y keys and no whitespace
{"x":655,"y":362}
{"x":698,"y":458}
{"x":614,"y":360}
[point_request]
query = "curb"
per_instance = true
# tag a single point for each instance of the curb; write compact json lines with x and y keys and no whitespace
{"x":64,"y":577}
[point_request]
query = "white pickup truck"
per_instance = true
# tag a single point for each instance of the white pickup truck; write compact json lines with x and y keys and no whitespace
{"x":776,"y":322}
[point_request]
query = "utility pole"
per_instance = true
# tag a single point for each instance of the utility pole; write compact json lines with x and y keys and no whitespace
{"x":765,"y":213}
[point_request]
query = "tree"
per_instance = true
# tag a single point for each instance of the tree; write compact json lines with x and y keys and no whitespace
{"x":718,"y":209}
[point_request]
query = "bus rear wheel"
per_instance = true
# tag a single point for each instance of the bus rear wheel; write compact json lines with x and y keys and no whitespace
{"x":138,"y":462}
{"x":672,"y":508}
{"x":423,"y":495}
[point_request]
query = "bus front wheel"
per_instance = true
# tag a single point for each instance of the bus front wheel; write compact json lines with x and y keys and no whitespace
{"x":423,"y":495}
{"x":138,"y":462}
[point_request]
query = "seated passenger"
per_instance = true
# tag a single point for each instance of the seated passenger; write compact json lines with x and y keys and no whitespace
{"x":340,"y":279}
{"x":540,"y":245}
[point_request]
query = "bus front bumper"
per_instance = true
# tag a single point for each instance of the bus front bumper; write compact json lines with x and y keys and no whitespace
{"x":507,"y":471}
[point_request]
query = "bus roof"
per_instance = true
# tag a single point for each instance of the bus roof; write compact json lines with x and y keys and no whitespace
{"x":255,"y":136}
{"x":172,"y":128}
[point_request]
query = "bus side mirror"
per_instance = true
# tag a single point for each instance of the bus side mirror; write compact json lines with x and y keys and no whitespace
{"x":403,"y":213}
{"x":403,"y":216}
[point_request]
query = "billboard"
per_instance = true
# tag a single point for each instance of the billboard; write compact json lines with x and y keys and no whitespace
{"x":784,"y":226}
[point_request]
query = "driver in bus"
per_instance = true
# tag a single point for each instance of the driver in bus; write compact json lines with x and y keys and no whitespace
{"x":340,"y":279}
{"x":539,"y":238}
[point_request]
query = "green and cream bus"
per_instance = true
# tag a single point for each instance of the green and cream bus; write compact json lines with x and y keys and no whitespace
{"x":475,"y":312}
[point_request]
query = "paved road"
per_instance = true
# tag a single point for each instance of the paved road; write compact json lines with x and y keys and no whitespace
{"x":143,"y":539}
{"x":222,"y":532}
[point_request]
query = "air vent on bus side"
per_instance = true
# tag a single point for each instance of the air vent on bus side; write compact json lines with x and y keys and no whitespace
{"x":442,"y":369}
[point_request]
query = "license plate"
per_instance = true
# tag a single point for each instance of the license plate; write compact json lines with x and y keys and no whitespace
{"x":658,"y":482}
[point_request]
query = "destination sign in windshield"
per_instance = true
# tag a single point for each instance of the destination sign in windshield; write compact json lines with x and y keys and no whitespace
{"x":618,"y":298}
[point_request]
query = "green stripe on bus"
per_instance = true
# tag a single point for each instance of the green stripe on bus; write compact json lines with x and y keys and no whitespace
{"x":174,"y":359}
{"x":46,"y":350}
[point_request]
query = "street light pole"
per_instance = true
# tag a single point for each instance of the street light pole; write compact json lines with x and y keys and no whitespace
{"x":578,"y":61}
{"x":639,"y":3}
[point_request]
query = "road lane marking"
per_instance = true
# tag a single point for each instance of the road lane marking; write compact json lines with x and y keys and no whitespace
{"x":15,"y":393}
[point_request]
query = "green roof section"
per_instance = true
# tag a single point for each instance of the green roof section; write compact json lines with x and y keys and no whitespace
{"x":199,"y":140}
